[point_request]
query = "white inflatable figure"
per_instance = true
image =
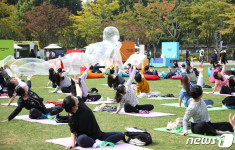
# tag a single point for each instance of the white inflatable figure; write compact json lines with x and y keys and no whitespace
{"x":107,"y":52}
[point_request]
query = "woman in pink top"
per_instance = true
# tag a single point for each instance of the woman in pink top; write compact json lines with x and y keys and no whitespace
{"x":220,"y":79}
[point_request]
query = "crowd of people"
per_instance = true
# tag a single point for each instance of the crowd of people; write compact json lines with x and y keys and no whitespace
{"x":84,"y":128}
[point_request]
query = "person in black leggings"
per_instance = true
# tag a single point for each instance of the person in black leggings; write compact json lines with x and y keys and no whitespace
{"x":85,"y":131}
{"x":34,"y":103}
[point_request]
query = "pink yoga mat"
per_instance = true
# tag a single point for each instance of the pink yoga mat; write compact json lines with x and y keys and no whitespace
{"x":43,"y":121}
{"x":217,"y":93}
{"x":12,"y":104}
{"x":118,"y":146}
{"x":151,"y":114}
{"x":100,"y":102}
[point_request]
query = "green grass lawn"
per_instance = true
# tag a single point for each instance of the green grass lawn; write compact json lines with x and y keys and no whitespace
{"x":19,"y":135}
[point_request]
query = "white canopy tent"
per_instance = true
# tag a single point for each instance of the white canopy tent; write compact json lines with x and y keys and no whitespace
{"x":52,"y":46}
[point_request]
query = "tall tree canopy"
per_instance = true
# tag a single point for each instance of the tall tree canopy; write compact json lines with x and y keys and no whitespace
{"x":46,"y":21}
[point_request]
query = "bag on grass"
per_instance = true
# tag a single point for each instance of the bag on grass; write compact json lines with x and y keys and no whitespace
{"x":142,"y":136}
{"x":229,"y":102}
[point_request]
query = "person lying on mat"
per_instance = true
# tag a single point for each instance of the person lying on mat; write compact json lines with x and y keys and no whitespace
{"x":142,"y":86}
{"x":185,"y":94}
{"x":114,"y":79}
{"x":200,"y":123}
{"x":85,"y":131}
{"x":83,"y":86}
{"x":13,"y":83}
{"x":127,"y":97}
{"x":62,"y":81}
{"x":221,"y":81}
{"x":31,"y":101}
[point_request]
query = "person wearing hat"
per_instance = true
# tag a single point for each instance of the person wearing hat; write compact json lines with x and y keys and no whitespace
{"x":127,"y":97}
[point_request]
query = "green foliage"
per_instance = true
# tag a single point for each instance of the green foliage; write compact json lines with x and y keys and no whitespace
{"x":9,"y":28}
{"x":45,"y":22}
{"x":90,"y":23}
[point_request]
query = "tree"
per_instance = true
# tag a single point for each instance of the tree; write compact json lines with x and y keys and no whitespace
{"x":204,"y":18}
{"x":9,"y":28}
{"x":145,"y":23}
{"x":230,"y":21}
{"x":46,"y":21}
{"x":90,"y":22}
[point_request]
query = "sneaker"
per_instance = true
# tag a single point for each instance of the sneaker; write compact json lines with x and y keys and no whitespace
{"x":136,"y":142}
{"x":98,"y":109}
{"x":97,"y":143}
{"x":144,"y":112}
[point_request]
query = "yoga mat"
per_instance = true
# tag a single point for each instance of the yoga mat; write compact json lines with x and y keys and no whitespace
{"x":217,"y":93}
{"x":104,"y":84}
{"x":49,"y":87}
{"x":163,"y":98}
{"x":64,"y":93}
{"x":151,"y":114}
{"x":101,"y":102}
{"x":43,"y":121}
{"x":202,"y":88}
{"x":12,"y":104}
{"x":118,"y":146}
{"x":4,"y":97}
{"x":191,"y":134}
{"x":182,"y":106}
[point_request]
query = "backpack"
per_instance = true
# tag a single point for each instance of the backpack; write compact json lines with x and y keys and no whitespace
{"x":229,"y":102}
{"x":143,"y":136}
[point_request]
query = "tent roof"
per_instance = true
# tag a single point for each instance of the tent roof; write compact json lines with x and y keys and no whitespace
{"x":52,"y":46}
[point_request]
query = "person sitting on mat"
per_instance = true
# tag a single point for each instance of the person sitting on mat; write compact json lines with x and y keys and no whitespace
{"x":31,"y":101}
{"x":200,"y":123}
{"x":185,"y":94}
{"x":83,"y":86}
{"x":114,"y":79}
{"x":127,"y":97}
{"x":13,"y":83}
{"x":85,"y":131}
{"x":142,"y":85}
{"x":96,"y":67}
{"x":221,"y":81}
{"x":62,"y":81}
{"x":191,"y":75}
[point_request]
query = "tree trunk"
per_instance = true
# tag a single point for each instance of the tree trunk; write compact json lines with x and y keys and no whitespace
{"x":154,"y":50}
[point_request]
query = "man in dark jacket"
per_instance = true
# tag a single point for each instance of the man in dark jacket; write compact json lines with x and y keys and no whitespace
{"x":214,"y":59}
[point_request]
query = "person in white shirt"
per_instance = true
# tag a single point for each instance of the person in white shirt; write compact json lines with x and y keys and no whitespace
{"x":201,"y":58}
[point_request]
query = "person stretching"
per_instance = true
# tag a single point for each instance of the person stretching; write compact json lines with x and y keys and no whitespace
{"x":185,"y":94}
{"x":221,"y":81}
{"x":200,"y":123}
{"x":142,"y":86}
{"x":62,"y":81}
{"x":34,"y":103}
{"x":83,"y":86}
{"x":85,"y":131}
{"x":114,"y":79}
{"x":127,"y":97}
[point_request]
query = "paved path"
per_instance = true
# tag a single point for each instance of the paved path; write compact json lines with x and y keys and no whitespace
{"x":230,"y":62}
